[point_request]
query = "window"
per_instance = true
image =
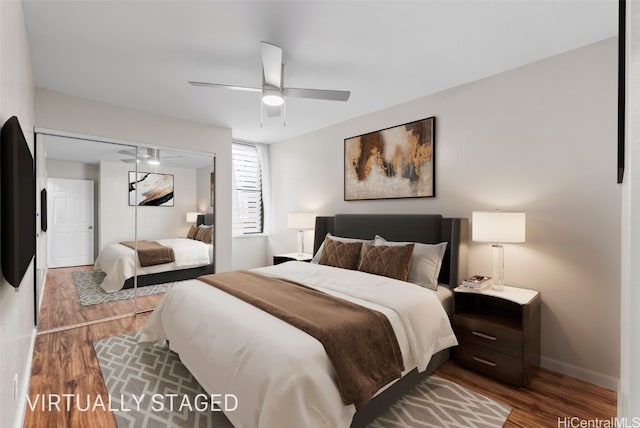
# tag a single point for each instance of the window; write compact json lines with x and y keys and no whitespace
{"x":247,"y":206}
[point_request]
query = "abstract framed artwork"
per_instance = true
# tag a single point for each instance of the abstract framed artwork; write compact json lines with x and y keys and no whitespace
{"x":150,"y":189}
{"x":391,"y":163}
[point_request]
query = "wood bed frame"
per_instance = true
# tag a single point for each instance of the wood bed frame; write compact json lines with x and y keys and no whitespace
{"x":424,"y":228}
{"x":178,"y":274}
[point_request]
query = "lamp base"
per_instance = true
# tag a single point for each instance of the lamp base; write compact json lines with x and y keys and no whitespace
{"x":300,"y":243}
{"x":498,"y":267}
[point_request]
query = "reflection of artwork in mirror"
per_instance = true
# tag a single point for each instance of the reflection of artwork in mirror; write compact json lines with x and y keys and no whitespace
{"x":213,"y":189}
{"x":150,"y":189}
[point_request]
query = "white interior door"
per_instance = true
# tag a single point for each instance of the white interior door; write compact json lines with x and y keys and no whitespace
{"x":71,"y":234}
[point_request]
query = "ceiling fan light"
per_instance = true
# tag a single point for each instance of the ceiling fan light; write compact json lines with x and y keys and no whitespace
{"x":272,"y":97}
{"x":153,"y":156}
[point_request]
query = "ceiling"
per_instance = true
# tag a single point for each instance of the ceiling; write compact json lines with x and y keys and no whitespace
{"x":140,"y":54}
{"x":93,"y":152}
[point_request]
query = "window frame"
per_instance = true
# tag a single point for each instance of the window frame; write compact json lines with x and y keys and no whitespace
{"x":248,"y":200}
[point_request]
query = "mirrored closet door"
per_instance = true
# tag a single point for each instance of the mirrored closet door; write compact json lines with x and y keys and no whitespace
{"x":118,"y":226}
{"x":82,"y":211}
{"x":183,"y":225}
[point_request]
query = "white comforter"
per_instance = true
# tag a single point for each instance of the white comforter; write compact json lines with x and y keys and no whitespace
{"x":282,"y":376}
{"x":120,"y":262}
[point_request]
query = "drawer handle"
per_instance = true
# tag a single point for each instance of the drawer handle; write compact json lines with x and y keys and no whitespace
{"x":484,"y":336}
{"x":483,"y":361}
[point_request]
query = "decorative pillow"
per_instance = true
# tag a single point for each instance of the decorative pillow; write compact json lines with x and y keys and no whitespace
{"x":393,"y":261}
{"x":344,"y":255}
{"x":425,"y":262}
{"x":193,"y":231}
{"x":204,"y":234}
{"x":316,"y":258}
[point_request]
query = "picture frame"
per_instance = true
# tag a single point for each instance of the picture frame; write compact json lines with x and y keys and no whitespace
{"x":622,"y":65}
{"x":213,"y":189}
{"x":151,"y":189}
{"x":392,"y":163}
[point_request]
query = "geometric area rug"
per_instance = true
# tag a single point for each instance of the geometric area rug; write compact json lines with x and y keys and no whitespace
{"x":437,"y":402}
{"x":131,"y":372}
{"x":91,"y":293}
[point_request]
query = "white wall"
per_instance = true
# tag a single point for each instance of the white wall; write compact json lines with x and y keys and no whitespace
{"x":75,"y":170}
{"x":203,"y":178}
{"x":250,"y":252}
{"x":541,"y":139}
{"x":16,"y":307}
{"x":629,"y":391}
{"x":83,"y":116}
{"x":118,"y":219}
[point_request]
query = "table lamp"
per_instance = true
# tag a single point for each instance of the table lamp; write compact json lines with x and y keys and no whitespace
{"x":498,"y":228}
{"x":301,"y":221}
{"x":192,"y":217}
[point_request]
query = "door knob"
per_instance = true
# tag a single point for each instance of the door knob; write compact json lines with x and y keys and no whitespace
{"x":90,"y":227}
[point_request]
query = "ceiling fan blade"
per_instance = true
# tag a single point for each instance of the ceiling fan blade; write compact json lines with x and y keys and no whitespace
{"x":220,"y":85}
{"x":318,"y":94}
{"x":271,"y":64}
{"x":273,"y":111}
{"x":132,"y":153}
{"x":128,"y":160}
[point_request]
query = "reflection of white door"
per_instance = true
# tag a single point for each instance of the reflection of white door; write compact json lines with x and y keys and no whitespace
{"x":70,"y":212}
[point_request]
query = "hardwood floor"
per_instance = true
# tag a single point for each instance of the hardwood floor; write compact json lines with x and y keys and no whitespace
{"x":550,"y":396}
{"x":65,"y":363}
{"x":61,"y":307}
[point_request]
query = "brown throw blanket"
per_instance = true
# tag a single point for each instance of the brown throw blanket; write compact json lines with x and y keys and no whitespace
{"x":151,"y":253}
{"x":359,"y":342}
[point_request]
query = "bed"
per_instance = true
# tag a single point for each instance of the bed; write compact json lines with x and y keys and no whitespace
{"x":192,"y":259}
{"x":281,"y":375}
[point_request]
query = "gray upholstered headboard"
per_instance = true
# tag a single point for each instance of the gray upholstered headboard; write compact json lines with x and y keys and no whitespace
{"x":425,"y":228}
{"x":206,"y":219}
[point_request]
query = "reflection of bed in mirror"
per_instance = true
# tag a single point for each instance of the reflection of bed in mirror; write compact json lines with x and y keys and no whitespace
{"x":192,"y":258}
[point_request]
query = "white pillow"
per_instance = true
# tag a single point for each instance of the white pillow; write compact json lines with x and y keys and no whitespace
{"x":316,"y":258}
{"x":425,"y":262}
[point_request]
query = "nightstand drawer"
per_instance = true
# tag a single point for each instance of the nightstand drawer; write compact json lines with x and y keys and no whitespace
{"x":495,"y":364}
{"x":491,"y":336}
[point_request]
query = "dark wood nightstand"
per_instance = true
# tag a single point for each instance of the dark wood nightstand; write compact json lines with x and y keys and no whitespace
{"x":281,"y":258}
{"x":498,"y":332}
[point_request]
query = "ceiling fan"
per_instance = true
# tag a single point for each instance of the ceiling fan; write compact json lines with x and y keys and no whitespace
{"x":273,"y":89}
{"x":151,"y":156}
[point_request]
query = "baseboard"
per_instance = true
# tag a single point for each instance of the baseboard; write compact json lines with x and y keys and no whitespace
{"x":580,"y":373}
{"x":24,"y":388}
{"x":623,"y":398}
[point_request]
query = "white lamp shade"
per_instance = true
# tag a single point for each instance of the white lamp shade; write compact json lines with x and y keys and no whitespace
{"x":301,"y":221}
{"x":498,"y":226}
{"x":192,"y":217}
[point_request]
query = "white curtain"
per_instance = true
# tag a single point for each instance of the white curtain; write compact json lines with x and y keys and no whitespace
{"x":263,"y":157}
{"x":235,"y":206}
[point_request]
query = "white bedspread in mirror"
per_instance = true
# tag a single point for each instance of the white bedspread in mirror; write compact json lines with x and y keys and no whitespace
{"x":120,"y":262}
{"x":282,"y":376}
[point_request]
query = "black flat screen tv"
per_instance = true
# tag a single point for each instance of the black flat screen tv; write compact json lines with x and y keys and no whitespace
{"x":18,"y":202}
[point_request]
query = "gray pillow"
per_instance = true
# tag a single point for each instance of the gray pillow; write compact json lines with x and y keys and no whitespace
{"x":426,"y":261}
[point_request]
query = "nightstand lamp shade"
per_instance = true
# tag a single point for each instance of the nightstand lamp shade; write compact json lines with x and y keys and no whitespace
{"x":498,"y":228}
{"x":301,"y":221}
{"x":192,"y":217}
